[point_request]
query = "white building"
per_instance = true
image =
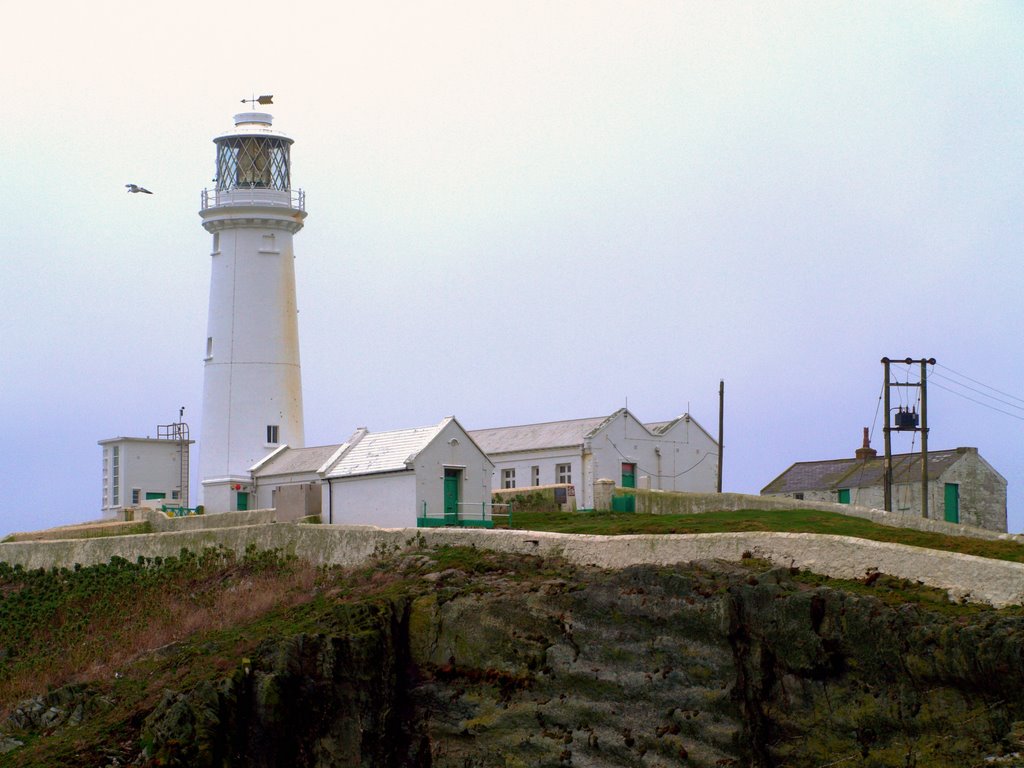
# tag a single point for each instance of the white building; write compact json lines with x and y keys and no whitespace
{"x":252,"y":387}
{"x":424,"y":476}
{"x":145,"y":471}
{"x":676,"y":455}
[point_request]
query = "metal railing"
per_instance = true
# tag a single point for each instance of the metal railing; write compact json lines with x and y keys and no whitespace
{"x":175,"y":510}
{"x":284,"y":198}
{"x":475,"y":515}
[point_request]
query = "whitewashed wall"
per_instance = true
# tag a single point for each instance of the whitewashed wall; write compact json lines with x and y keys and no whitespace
{"x":546,"y":460}
{"x":451,"y":448}
{"x":684,"y":459}
{"x":387,"y":500}
{"x":150,"y":465}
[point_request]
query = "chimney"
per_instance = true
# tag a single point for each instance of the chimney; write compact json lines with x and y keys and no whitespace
{"x":866,"y":452}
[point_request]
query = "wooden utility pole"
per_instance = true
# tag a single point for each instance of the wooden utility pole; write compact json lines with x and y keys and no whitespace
{"x":887,"y":465}
{"x":902,"y":426}
{"x":721,"y":425}
{"x":924,"y":437}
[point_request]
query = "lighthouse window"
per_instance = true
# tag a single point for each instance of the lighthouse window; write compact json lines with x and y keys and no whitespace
{"x":209,"y":347}
{"x":272,"y":434}
{"x":269,"y":244}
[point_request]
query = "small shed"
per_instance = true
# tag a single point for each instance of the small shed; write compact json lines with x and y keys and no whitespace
{"x":434,"y":475}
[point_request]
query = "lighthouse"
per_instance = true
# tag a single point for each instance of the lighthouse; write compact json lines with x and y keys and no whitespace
{"x":252,"y":384}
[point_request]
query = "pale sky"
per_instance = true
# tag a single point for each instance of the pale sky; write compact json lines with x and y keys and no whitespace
{"x":524,"y":212}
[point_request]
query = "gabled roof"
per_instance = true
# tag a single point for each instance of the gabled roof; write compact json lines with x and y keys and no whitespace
{"x":287,"y":460}
{"x":377,"y":452}
{"x":854,"y":473}
{"x":553,"y":434}
{"x":531,"y":437}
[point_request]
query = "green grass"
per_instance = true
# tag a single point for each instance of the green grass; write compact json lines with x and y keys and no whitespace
{"x":783,"y":521}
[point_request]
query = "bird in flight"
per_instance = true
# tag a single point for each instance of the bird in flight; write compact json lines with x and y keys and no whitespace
{"x":137,"y":188}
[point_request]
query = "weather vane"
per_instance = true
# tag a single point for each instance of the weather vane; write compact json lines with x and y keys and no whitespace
{"x":265,"y":99}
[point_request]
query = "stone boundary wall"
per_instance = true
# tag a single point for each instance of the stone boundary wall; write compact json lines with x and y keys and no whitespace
{"x":159,"y":522}
{"x":684,"y":503}
{"x":999,"y":583}
{"x":79,"y":531}
{"x":163,"y":523}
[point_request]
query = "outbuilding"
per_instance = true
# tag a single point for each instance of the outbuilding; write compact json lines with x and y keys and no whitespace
{"x":427,"y":476}
{"x":962,"y":486}
{"x":146,"y":471}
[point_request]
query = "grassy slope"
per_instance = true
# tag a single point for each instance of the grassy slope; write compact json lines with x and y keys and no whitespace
{"x":788,"y":521}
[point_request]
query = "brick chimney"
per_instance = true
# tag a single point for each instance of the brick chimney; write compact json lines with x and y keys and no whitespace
{"x":866,"y":452}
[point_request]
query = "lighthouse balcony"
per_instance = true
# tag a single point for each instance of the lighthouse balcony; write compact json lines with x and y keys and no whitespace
{"x":261,"y":196}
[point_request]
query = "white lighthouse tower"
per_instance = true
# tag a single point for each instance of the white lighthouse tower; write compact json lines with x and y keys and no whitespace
{"x":252,"y":385}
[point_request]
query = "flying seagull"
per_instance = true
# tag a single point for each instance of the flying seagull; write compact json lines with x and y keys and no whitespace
{"x":137,"y":188}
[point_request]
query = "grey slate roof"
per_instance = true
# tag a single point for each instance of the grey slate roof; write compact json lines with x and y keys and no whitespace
{"x":851,"y":473}
{"x":530,"y":437}
{"x":551,"y":434}
{"x":376,"y":452}
{"x":296,"y":460}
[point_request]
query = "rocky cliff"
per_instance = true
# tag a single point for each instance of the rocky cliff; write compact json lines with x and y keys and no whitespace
{"x":480,"y":659}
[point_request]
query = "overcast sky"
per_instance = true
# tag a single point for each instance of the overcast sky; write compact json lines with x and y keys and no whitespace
{"x":524,"y":212}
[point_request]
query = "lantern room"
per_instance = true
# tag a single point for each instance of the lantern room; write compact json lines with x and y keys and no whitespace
{"x":253,"y":155}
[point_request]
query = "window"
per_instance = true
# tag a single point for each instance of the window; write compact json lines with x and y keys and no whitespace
{"x":844,"y":495}
{"x":269,"y":244}
{"x":508,"y":478}
{"x":799,"y":495}
{"x":272,"y":434}
{"x":563,"y":473}
{"x":216,"y":242}
{"x":176,"y":495}
{"x":209,"y":347}
{"x":534,"y":475}
{"x":115,"y":476}
{"x":135,"y":496}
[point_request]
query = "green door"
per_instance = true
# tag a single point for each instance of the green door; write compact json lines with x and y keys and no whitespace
{"x":241,"y":501}
{"x":629,"y":475}
{"x":451,"y":497}
{"x":952,"y":503}
{"x":151,"y":495}
{"x":626,"y":503}
{"x":844,"y":495}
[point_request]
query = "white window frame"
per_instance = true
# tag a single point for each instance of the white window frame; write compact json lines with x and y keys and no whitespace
{"x":563,"y":473}
{"x":535,"y":475}
{"x":273,"y":434}
{"x":508,"y":478}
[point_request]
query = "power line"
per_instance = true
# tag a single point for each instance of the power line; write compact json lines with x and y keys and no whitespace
{"x":981,"y":383}
{"x":979,"y":402}
{"x":983,"y":394}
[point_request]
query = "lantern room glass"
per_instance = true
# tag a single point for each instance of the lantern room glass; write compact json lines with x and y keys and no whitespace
{"x":245,"y":162}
